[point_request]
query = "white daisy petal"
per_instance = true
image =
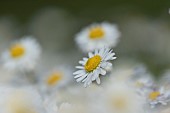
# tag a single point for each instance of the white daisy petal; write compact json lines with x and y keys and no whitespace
{"x":81,"y":78}
{"x":113,"y":58}
{"x":101,"y":52}
{"x":85,"y":59}
{"x":90,"y":54}
{"x":98,"y":80}
{"x":95,"y":75}
{"x":102,"y":71}
{"x":109,"y":56}
{"x":78,"y":72}
{"x":96,"y":52}
{"x":79,"y":67}
{"x":106,"y":64}
{"x":82,"y":62}
{"x":79,"y":75}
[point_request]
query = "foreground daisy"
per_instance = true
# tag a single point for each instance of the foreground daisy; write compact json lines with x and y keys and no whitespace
{"x":22,"y":54}
{"x":94,"y":66}
{"x":96,"y":36}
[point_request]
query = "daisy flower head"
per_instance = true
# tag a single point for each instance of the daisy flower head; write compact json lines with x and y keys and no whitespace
{"x":22,"y":55}
{"x":91,"y":68}
{"x":97,"y":35}
{"x":20,"y":100}
{"x":120,"y":98}
{"x":56,"y":78}
{"x":71,"y":108}
{"x":158,"y":96}
{"x":141,"y":79}
{"x":143,"y":83}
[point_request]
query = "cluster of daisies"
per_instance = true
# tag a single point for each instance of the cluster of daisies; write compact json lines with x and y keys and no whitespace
{"x":126,"y":88}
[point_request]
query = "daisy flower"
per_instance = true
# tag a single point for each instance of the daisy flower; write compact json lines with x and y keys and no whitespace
{"x":96,"y":36}
{"x":118,"y":97}
{"x":66,"y":107}
{"x":167,"y":110}
{"x":94,"y":66}
{"x":56,"y":78}
{"x":141,"y":79}
{"x":22,"y":55}
{"x":143,"y":82}
{"x":20,"y":100}
{"x":71,"y":108}
{"x":158,"y":96}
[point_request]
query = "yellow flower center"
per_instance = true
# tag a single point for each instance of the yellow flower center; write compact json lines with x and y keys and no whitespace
{"x":17,"y":51}
{"x":154,"y":95}
{"x":119,"y":103}
{"x":92,"y":63}
{"x":16,"y":103}
{"x":54,"y":78}
{"x":23,"y":109}
{"x":96,"y":33}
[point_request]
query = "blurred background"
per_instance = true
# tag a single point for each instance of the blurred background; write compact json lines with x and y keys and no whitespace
{"x":144,"y":24}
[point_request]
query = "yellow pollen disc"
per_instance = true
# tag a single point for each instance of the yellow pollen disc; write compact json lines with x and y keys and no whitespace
{"x":54,"y":78}
{"x":119,"y":103}
{"x":17,"y":51}
{"x":92,"y":63}
{"x":96,"y":33}
{"x":154,"y":95}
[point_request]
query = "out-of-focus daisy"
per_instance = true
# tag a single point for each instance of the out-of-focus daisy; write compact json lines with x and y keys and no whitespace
{"x":22,"y":55}
{"x":65,"y":102}
{"x":20,"y":100}
{"x":71,"y":108}
{"x":91,"y":68}
{"x":119,"y":98}
{"x":166,"y":110}
{"x":141,"y":79}
{"x":57,"y":78}
{"x":158,"y":96}
{"x":96,"y":36}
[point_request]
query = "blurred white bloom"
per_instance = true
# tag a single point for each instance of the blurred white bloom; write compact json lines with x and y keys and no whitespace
{"x":158,"y":96}
{"x":143,"y":84}
{"x":142,"y":79}
{"x":96,"y":36}
{"x":94,"y":66}
{"x":22,"y":55}
{"x":56,"y":78}
{"x":20,"y":100}
{"x":167,"y":110}
{"x":71,"y":108}
{"x":119,"y":98}
{"x":65,"y":102}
